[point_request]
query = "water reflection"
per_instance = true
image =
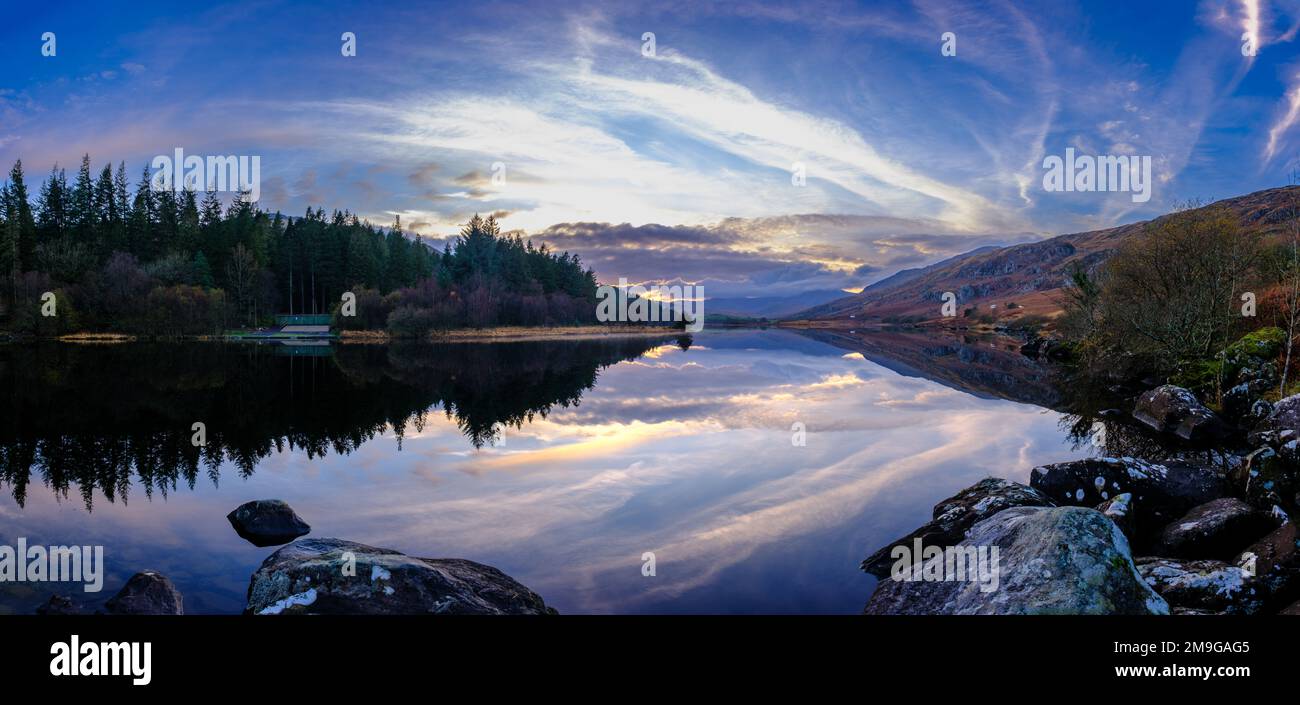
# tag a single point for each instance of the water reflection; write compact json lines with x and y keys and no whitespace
{"x":101,"y":418}
{"x":684,"y":450}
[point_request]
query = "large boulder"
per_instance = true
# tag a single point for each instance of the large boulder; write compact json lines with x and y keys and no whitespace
{"x":953,"y":516}
{"x":1275,"y":561}
{"x":267,"y":522}
{"x":1161,"y":492}
{"x":1172,"y":409}
{"x":333,"y":576}
{"x":1207,"y":585}
{"x":1218,"y":529}
{"x":149,"y":592}
{"x":1048,"y":560}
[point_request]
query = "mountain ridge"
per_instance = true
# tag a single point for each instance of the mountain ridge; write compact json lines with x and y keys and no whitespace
{"x":1030,"y":276}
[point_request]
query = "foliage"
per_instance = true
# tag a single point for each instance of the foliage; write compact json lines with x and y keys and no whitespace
{"x":120,"y":252}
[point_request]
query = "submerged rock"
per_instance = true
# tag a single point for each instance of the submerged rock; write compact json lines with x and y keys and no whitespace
{"x":1050,"y":560}
{"x":1217,"y":529}
{"x":1161,"y":492}
{"x":267,"y":522}
{"x":149,"y":592}
{"x":1172,"y":409}
{"x":1212,"y":586}
{"x":333,"y":576}
{"x":953,"y":516}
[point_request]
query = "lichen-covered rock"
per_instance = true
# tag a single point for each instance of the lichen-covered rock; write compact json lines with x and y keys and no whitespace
{"x":1050,"y":560}
{"x":267,"y":522}
{"x":1214,"y":586}
{"x":333,"y":576}
{"x":1161,"y":492}
{"x":1172,"y":409}
{"x":1275,"y":562}
{"x":149,"y":592}
{"x":1218,"y":529}
{"x":953,"y":516}
{"x":1272,"y":479}
{"x":1119,"y":509}
{"x":1286,"y":415}
{"x":1241,"y":402}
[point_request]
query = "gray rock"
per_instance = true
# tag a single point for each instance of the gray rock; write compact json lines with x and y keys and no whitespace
{"x":1050,"y":560}
{"x":1212,"y":586}
{"x":1171,"y":409}
{"x":148,"y":592}
{"x":1119,"y":509}
{"x":1217,"y":529}
{"x":333,"y":576}
{"x":1161,"y":492}
{"x":1272,"y":479}
{"x":267,"y":522}
{"x":1242,"y":402}
{"x":1275,"y":561}
{"x":1286,"y":415}
{"x":953,"y":516}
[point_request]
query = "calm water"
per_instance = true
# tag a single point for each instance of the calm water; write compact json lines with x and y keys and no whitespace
{"x":559,"y":463}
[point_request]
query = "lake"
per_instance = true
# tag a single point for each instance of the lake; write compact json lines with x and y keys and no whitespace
{"x":758,"y":466}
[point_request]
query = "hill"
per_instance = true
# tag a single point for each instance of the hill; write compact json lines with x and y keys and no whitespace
{"x":1029,"y":276}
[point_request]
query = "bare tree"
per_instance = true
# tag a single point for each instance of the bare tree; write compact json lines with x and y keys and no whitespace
{"x":242,"y":273}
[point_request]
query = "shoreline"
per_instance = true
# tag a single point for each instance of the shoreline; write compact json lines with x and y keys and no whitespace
{"x":501,"y":334}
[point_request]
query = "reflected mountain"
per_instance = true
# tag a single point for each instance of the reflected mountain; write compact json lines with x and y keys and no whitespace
{"x":102,"y":416}
{"x":989,"y":367}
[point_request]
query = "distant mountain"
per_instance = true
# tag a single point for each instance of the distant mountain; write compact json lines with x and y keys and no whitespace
{"x":770,"y":306}
{"x":1030,"y":276}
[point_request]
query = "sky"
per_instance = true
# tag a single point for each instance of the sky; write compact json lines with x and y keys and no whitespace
{"x":758,"y":149}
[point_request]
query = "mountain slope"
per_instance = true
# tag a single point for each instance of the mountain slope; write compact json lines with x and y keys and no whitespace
{"x":1029,"y":275}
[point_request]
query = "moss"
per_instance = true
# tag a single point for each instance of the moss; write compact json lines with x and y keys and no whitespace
{"x":1197,"y":375}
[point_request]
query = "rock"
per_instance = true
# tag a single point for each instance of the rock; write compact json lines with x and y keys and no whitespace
{"x":1049,"y":560}
{"x":1172,"y":409}
{"x":333,"y":576}
{"x":953,"y":516}
{"x":1286,"y":415}
{"x":1213,"y":586}
{"x":1242,"y":401}
{"x":1119,"y":509}
{"x":1161,"y":492}
{"x":1217,"y":529}
{"x":60,"y":604}
{"x":149,"y":592}
{"x":1272,"y":480}
{"x":1259,"y":411}
{"x":267,"y":522}
{"x":1275,"y":561}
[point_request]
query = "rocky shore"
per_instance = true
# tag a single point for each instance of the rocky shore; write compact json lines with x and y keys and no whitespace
{"x":330,"y":576}
{"x":1125,"y":535}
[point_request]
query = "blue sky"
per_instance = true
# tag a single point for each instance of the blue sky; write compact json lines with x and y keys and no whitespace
{"x":678,"y":165}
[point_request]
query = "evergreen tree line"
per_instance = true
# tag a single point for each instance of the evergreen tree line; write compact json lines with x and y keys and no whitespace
{"x":158,"y":262}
